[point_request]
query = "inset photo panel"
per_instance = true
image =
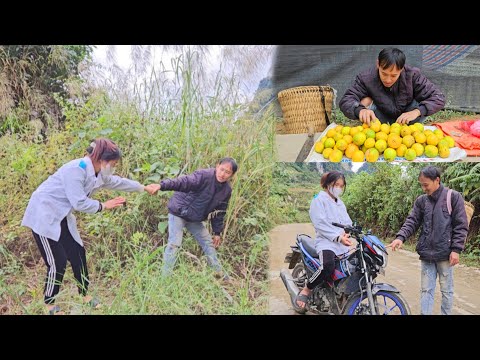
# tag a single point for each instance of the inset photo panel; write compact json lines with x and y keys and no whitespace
{"x":135,"y":179}
{"x":377,"y":103}
{"x":397,"y":238}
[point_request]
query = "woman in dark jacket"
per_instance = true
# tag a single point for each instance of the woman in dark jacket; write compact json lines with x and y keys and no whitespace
{"x":196,"y":196}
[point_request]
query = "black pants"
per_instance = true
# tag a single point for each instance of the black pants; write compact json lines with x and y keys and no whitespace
{"x":55,"y":254}
{"x":327,"y":258}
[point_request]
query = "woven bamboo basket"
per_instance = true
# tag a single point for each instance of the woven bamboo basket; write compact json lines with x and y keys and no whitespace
{"x":303,"y":106}
{"x":469,"y":209}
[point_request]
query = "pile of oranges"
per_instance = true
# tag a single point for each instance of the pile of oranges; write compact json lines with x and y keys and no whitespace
{"x":367,"y":143}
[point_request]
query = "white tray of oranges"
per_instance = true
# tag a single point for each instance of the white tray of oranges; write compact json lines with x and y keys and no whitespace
{"x":384,"y":142}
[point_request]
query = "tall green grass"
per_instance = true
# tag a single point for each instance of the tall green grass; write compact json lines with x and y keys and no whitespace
{"x":170,"y":125}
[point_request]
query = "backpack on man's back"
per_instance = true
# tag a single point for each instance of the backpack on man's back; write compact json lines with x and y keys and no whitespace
{"x":469,"y":208}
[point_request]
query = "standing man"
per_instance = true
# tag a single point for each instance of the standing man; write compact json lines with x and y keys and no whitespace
{"x":204,"y":192}
{"x":392,"y":92}
{"x":441,"y":241}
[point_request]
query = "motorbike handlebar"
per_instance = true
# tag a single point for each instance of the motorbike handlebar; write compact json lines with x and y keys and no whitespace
{"x":348,"y":228}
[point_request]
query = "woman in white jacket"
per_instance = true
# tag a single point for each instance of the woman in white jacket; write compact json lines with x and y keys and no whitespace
{"x":330,"y":241}
{"x":50,"y":214}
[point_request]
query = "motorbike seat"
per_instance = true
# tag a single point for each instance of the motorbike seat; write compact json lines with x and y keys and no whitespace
{"x":309,"y":244}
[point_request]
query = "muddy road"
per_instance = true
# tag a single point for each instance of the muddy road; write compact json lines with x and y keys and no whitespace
{"x":403,"y":271}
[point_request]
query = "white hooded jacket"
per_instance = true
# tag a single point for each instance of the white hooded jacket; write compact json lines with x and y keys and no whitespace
{"x":69,"y":189}
{"x":323,"y":211}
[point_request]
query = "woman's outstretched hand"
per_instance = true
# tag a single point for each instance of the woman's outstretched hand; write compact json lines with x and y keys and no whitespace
{"x":113,"y":203}
{"x":152,"y":189}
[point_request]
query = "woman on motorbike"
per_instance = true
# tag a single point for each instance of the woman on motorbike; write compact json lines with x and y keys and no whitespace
{"x":325,"y":208}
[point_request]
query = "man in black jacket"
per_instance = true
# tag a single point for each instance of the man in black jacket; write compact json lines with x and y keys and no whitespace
{"x":392,"y":92}
{"x":204,"y":192}
{"x":441,"y":241}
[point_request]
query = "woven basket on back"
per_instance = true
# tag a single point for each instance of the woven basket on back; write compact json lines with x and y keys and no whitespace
{"x":469,"y":209}
{"x":306,"y":105}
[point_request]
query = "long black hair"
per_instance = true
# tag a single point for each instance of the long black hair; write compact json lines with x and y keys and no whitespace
{"x":230,"y":161}
{"x":103,"y":149}
{"x":331,"y":178}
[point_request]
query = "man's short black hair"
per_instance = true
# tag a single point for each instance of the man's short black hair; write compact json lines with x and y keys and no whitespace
{"x":391,"y":56}
{"x":430,"y":172}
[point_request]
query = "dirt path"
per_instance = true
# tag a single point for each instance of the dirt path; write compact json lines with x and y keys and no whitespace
{"x":403,"y":271}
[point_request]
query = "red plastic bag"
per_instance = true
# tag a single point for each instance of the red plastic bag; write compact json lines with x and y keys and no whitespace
{"x":472,"y":127}
{"x":466,"y":125}
{"x":475,"y":129}
{"x":460,"y":131}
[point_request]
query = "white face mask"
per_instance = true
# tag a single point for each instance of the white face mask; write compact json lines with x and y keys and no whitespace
{"x":107,"y":170}
{"x":336,"y":191}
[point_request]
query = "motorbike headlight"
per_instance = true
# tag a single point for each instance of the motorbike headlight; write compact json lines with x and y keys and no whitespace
{"x":381,"y":254}
{"x":385,"y":260}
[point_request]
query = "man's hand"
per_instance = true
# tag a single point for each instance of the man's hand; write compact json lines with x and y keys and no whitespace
{"x":113,"y":203}
{"x":216,"y":241}
{"x":366,"y":116}
{"x":152,"y":189}
{"x":395,"y":244}
{"x":406,"y":117}
{"x":454,"y":258}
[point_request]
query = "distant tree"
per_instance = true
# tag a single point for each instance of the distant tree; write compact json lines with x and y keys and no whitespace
{"x":263,"y":95}
{"x":30,"y":75}
{"x":265,"y":83}
{"x":366,"y":167}
{"x":345,"y":167}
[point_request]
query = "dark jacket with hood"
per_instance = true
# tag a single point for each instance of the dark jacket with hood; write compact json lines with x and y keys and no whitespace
{"x":197,"y":195}
{"x":442,"y":232}
{"x":411,"y":85}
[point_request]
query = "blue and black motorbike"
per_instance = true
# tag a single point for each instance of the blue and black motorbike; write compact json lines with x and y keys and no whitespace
{"x":353,"y":289}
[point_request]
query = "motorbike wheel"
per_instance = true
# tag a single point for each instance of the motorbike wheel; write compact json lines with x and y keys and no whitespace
{"x":298,"y":275}
{"x":386,"y":303}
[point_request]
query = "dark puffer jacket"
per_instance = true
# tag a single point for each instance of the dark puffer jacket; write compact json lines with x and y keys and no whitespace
{"x":441,"y":233}
{"x":411,"y":85}
{"x":197,"y":195}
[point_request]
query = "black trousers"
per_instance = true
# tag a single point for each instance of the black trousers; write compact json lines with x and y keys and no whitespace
{"x":55,"y":254}
{"x":327,"y":258}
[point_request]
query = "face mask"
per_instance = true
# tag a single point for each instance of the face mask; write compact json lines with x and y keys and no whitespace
{"x":107,"y":170}
{"x":336,"y":191}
